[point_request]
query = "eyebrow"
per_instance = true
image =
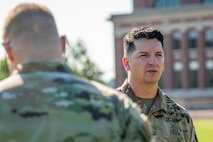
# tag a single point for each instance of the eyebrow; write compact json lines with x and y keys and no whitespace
{"x":147,"y":52}
{"x":160,"y":52}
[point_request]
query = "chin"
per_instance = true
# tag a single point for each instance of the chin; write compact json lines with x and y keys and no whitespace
{"x":152,"y":81}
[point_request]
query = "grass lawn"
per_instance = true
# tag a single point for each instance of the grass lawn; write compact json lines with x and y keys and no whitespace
{"x":204,"y":129}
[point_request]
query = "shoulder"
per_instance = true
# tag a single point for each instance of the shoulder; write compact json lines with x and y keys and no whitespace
{"x":128,"y":113}
{"x":175,"y":108}
{"x":171,"y":102}
{"x":119,"y":97}
{"x":108,"y":91}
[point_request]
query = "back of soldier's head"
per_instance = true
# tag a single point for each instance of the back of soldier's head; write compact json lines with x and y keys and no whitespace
{"x":31,"y":24}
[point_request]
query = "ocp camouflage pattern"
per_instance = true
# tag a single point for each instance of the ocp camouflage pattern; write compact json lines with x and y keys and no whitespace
{"x":45,"y":102}
{"x":170,"y":122}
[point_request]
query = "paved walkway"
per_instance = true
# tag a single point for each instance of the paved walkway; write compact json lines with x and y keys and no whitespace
{"x":205,"y":114}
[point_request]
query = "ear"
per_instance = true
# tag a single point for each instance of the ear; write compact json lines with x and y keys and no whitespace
{"x":9,"y":52}
{"x":125,"y":61}
{"x":63,"y":43}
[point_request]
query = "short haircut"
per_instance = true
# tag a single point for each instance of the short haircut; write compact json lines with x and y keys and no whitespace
{"x":139,"y":33}
{"x":28,"y":18}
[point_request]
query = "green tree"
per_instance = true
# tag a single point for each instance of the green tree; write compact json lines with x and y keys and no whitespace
{"x":4,"y":72}
{"x":78,"y":60}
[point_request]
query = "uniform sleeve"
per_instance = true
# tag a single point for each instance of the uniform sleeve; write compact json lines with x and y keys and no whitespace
{"x":193,"y":135}
{"x":135,"y":126}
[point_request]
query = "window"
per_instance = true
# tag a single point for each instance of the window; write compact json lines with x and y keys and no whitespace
{"x":208,"y":37}
{"x":192,"y":36}
{"x":177,"y":79}
{"x":176,"y":37}
{"x":178,"y":67}
{"x":209,"y":73}
{"x":193,"y":74}
{"x":166,"y":3}
{"x":207,"y":1}
{"x":193,"y":78}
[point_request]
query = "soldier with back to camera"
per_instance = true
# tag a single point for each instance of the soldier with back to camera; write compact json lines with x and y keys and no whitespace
{"x":43,"y":101}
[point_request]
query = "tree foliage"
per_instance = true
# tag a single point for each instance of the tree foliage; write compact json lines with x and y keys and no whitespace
{"x":4,"y":72}
{"x":77,"y":58}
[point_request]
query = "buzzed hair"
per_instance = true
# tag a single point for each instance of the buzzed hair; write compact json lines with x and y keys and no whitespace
{"x":29,"y":21}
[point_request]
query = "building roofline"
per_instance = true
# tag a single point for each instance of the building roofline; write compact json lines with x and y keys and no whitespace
{"x":165,"y":13}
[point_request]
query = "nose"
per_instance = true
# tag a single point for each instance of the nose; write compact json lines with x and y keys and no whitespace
{"x":153,"y":60}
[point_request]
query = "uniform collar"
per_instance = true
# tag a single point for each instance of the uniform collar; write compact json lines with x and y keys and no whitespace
{"x":157,"y":105}
{"x":41,"y":66}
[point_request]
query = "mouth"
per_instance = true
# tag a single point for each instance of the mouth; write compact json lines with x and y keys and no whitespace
{"x":152,"y":70}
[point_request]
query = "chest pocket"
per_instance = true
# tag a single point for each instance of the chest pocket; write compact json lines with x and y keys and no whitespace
{"x":176,"y":133}
{"x":169,"y":129}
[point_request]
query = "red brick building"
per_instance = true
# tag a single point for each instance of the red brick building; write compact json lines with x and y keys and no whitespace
{"x":187,"y":26}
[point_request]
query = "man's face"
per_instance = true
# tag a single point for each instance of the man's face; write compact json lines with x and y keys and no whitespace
{"x":146,"y":63}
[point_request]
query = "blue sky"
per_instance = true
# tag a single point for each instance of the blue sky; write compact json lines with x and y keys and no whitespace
{"x":85,"y":20}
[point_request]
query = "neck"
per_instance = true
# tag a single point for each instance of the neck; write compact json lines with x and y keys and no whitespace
{"x":142,"y":90}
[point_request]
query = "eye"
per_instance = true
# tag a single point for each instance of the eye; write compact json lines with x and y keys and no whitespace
{"x":144,"y":54}
{"x":159,"y":55}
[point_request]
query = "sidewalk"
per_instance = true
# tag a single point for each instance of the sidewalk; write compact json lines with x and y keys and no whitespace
{"x":201,"y":114}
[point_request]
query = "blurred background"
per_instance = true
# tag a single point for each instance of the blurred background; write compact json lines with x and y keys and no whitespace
{"x":94,"y":31}
{"x":85,"y":23}
{"x":188,"y":31}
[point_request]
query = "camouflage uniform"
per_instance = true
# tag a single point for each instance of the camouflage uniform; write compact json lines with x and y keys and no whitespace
{"x":46,"y":102}
{"x":170,"y":121}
